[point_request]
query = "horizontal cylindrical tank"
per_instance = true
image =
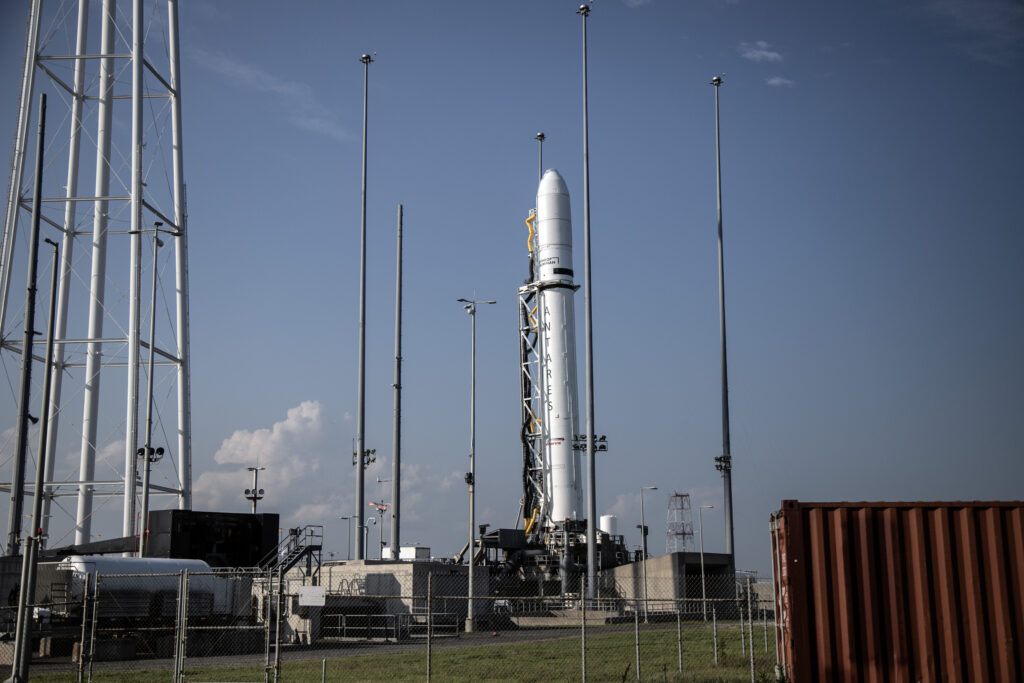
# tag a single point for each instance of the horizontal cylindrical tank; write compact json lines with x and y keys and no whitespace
{"x":609,"y":524}
{"x":223,"y":593}
{"x":900,"y":591}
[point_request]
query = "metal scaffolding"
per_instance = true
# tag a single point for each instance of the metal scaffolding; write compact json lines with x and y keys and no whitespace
{"x":113,"y":191}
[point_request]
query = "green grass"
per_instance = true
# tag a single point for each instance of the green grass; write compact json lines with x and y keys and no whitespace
{"x":610,"y":657}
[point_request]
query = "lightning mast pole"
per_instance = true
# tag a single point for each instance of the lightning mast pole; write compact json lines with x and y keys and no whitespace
{"x":584,"y":11}
{"x":361,"y":399}
{"x":724,"y":461}
{"x":396,"y":468}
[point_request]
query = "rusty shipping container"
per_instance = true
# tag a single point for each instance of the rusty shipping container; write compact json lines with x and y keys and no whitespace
{"x":899,"y":592}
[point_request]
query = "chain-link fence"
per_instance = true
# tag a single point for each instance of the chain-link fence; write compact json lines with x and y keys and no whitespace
{"x":399,"y":621}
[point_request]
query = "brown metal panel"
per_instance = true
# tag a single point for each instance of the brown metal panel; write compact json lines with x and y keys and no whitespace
{"x":796,"y":576}
{"x":920,"y":598}
{"x":895,"y":597}
{"x":1015,"y":529}
{"x":901,"y":591}
{"x":973,"y":599}
{"x":995,"y":575}
{"x":821,"y":595}
{"x":870,"y":591}
{"x":947,"y":597}
{"x":845,"y":618}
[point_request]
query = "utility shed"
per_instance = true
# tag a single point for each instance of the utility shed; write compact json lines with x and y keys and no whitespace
{"x":921,"y":591}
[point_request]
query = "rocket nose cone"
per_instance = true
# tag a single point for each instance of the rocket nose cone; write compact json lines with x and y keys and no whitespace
{"x":552,"y":183}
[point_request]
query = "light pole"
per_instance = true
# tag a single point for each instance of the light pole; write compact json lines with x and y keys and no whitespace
{"x":700,"y":528}
{"x":366,"y":531}
{"x":151,"y":455}
{"x":643,"y":540}
{"x":381,"y":508}
{"x":255,"y":493}
{"x":348,"y":552}
{"x":470,"y":307}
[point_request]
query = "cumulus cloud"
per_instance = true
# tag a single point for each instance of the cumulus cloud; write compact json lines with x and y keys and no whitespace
{"x":293,"y":451}
{"x":780,"y":82}
{"x":759,"y":51}
{"x":296,"y":98}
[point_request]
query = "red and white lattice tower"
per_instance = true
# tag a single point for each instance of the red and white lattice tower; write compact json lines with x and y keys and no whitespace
{"x":679,"y":534}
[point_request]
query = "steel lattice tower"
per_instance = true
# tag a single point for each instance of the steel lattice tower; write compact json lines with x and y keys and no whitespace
{"x":679,"y":527}
{"x":113,"y":195}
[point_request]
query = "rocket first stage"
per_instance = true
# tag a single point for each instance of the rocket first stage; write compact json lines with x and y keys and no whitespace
{"x":551,"y":547}
{"x":552,"y":479}
{"x":559,"y":415}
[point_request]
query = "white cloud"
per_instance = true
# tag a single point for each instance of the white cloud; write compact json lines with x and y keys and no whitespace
{"x":305,"y":111}
{"x":293,"y":451}
{"x":779,"y":82}
{"x":760,"y":51}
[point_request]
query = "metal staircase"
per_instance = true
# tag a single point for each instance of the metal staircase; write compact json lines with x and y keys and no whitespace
{"x":301,"y":543}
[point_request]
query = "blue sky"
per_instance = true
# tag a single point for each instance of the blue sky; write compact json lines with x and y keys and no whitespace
{"x":873,"y":235}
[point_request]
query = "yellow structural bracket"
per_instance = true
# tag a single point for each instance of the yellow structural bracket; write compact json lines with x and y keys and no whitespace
{"x":529,"y":237}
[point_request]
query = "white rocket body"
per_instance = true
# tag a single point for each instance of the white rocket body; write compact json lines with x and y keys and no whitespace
{"x":557,"y":350}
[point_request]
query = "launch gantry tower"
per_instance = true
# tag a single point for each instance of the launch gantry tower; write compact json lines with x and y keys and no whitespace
{"x":113,"y":196}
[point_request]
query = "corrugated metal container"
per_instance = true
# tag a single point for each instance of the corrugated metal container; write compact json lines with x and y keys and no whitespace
{"x":900,"y":592}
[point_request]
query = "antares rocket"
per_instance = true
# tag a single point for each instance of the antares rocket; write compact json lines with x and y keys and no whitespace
{"x":552,"y":475}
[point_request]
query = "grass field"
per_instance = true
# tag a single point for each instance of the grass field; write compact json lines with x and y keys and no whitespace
{"x":610,"y":657}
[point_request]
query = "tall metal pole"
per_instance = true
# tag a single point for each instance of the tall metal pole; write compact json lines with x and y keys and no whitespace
{"x":135,"y":281}
{"x":643,"y":541}
{"x":584,"y":11}
{"x":703,"y":585}
{"x":18,"y":476}
{"x":396,"y":466}
{"x":29,"y":565}
{"x":28,"y":77}
{"x":149,"y":453}
{"x":66,"y":250}
{"x":724,"y":461}
{"x":361,"y":399}
{"x":181,"y":266}
{"x":470,"y":307}
{"x":98,"y":274}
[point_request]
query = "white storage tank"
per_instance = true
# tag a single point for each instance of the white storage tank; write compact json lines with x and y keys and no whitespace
{"x":609,"y":524}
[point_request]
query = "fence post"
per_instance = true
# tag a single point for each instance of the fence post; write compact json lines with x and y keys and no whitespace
{"x":750,"y":631}
{"x":764,"y":623}
{"x":583,"y":627}
{"x":430,"y":617}
{"x":267,"y":594}
{"x":277,"y":621}
{"x":636,"y":639}
{"x":95,"y":618}
{"x":679,"y":635}
{"x":714,"y":631}
{"x":175,"y":676}
{"x":743,"y":639}
{"x":85,"y":629}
